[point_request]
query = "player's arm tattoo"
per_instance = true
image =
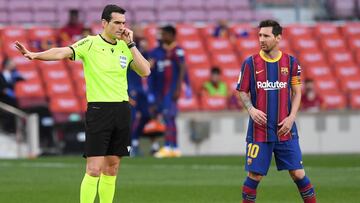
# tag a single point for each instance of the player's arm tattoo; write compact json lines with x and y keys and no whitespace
{"x":246,"y":100}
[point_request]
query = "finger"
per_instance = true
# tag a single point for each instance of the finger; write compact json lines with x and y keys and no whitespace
{"x":281,"y":123}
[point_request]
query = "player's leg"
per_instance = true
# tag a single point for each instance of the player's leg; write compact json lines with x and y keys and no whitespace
{"x":257,"y":163}
{"x":108,"y":178}
{"x":136,"y":132}
{"x":288,"y":157}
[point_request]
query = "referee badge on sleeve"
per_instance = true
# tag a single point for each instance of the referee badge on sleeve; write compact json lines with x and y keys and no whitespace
{"x":123,"y":61}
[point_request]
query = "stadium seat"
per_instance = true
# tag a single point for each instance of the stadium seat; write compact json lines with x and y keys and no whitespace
{"x":59,"y":88}
{"x":247,"y":45}
{"x":144,"y":16}
{"x":30,"y":94}
{"x":192,"y":45}
{"x":138,"y":5}
{"x":327,"y":30}
{"x":346,"y":71}
{"x":244,"y":30}
{"x":218,"y":45}
{"x":297,"y":31}
{"x":351,"y":29}
{"x":29,"y":74}
{"x":51,"y":64}
{"x":41,"y":38}
{"x":215,"y":4}
{"x":350,"y":84}
{"x":186,"y":31}
{"x":285,"y":46}
{"x":216,"y":14}
{"x":244,"y":15}
{"x":22,"y":62}
{"x":312,"y":58}
{"x":19,"y":6}
{"x":80,"y":88}
{"x":213,"y":103}
{"x":94,"y":5}
{"x":167,"y":5}
{"x":55,"y":74}
{"x":344,"y":58}
{"x":151,"y":35}
{"x":4,"y":17}
{"x":21,"y":17}
{"x":9,"y":47}
{"x":13,"y":33}
{"x":192,"y":4}
{"x":44,"y":5}
{"x":198,"y":76}
{"x":354,"y":43}
{"x":333,"y":100}
{"x":83,"y":105}
{"x":194,"y":15}
{"x":92,"y":16}
{"x":238,"y":5}
{"x":337,"y":44}
{"x":225,"y":59}
{"x":355,"y":100}
{"x":64,"y":109}
{"x":197,"y":59}
{"x":45,"y":17}
{"x":328,"y":84}
{"x":188,"y":104}
{"x":316,"y":72}
{"x":305,"y":44}
{"x":170,"y":16}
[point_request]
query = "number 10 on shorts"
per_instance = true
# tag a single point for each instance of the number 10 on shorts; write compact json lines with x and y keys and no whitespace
{"x":253,"y":150}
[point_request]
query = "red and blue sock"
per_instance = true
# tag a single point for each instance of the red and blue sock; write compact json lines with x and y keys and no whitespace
{"x":306,"y":190}
{"x":249,"y":190}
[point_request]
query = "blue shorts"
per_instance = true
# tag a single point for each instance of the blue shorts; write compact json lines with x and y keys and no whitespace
{"x":259,"y":154}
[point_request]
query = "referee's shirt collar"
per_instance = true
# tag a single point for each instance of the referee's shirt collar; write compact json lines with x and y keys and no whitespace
{"x":107,"y":41}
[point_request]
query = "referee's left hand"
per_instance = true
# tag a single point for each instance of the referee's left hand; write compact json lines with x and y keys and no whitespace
{"x":126,"y":35}
{"x":286,"y":125}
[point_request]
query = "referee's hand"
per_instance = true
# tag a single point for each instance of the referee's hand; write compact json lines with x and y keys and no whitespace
{"x":126,"y":35}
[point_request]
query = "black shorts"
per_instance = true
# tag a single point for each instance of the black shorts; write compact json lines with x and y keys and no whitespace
{"x":107,"y":127}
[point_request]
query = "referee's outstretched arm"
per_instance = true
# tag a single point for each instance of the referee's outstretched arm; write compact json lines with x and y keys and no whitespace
{"x":52,"y":54}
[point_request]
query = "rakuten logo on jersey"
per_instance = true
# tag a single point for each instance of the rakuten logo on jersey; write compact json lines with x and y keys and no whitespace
{"x":271,"y":85}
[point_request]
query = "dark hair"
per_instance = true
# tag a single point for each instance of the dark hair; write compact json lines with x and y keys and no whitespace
{"x":74,"y":12}
{"x":106,"y":14}
{"x":308,"y":80}
{"x":169,"y":29}
{"x":277,"y":29}
{"x":215,"y":70}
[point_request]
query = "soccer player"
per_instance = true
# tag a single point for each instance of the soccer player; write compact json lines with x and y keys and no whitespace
{"x":106,"y":58}
{"x":165,"y":84}
{"x":273,"y":80}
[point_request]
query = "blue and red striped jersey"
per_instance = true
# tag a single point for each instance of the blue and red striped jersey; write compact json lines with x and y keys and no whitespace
{"x":269,"y":82}
{"x":165,"y":73}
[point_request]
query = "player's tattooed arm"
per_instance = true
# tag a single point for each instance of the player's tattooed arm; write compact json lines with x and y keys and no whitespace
{"x":246,"y":100}
{"x":258,"y":116}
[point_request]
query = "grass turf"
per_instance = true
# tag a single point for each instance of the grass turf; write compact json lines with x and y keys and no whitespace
{"x":182,"y":180}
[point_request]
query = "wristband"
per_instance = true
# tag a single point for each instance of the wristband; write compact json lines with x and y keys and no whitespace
{"x":131,"y":45}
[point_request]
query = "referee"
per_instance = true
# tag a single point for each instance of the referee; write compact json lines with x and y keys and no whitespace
{"x":106,"y":58}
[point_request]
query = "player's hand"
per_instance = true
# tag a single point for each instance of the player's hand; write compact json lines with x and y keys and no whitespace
{"x":258,"y":116}
{"x":126,"y":35}
{"x":286,"y":125}
{"x":24,"y":51}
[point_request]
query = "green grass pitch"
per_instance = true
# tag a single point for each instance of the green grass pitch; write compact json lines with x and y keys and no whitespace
{"x":182,"y":180}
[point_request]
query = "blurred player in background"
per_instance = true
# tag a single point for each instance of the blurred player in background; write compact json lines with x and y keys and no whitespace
{"x":140,"y":99}
{"x":106,"y":58}
{"x":165,"y":84}
{"x":273,"y":80}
